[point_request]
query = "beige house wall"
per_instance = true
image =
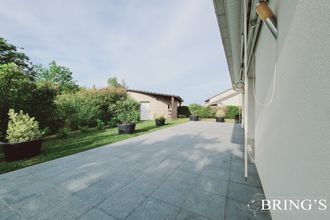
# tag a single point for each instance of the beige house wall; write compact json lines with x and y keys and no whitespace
{"x":226,"y":98}
{"x":235,"y":100}
{"x":158,"y":104}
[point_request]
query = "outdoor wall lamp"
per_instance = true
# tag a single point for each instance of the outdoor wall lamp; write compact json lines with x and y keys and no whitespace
{"x":239,"y":84}
{"x":267,"y":16}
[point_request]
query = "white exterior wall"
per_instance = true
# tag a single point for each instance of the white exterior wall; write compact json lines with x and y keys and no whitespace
{"x":235,"y":100}
{"x":251,"y":111}
{"x":230,"y":97}
{"x":292,"y":134}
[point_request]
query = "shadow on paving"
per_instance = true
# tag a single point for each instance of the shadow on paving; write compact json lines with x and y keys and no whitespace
{"x":191,"y":171}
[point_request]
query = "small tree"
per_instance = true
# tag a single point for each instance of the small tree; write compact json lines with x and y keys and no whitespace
{"x":59,"y":77}
{"x":10,"y":54}
{"x":22,"y":127}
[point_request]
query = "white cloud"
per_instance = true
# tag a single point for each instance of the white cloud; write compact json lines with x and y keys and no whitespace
{"x":166,"y":46}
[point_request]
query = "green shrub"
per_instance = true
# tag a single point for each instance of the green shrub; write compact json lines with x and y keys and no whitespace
{"x":202,"y":112}
{"x":195,"y":109}
{"x":221,"y":112}
{"x":45,"y":131}
{"x":83,"y":129}
{"x":206,"y":112}
{"x":112,"y":123}
{"x":131,"y":117}
{"x":21,"y":127}
{"x":84,"y":107}
{"x":126,"y":111}
{"x":99,"y":124}
{"x":43,"y":107}
{"x":182,"y":116}
{"x":183,"y":111}
{"x":15,"y":92}
{"x":63,"y":132}
{"x":19,"y":92}
{"x":232,"y":111}
{"x":159,"y":117}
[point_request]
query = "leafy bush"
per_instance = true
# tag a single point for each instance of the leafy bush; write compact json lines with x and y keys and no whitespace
{"x":232,"y":111}
{"x":195,"y":109}
{"x":99,"y":124}
{"x":83,"y":129}
{"x":84,"y":107}
{"x":202,"y":112}
{"x":159,"y":117}
{"x":221,"y":112}
{"x":15,"y":92}
{"x":19,"y":92}
{"x":127,"y":111}
{"x":43,"y":107}
{"x":206,"y":112}
{"x":63,"y":132}
{"x":45,"y":131}
{"x":21,"y":127}
{"x":183,"y":111}
{"x":113,"y":122}
{"x":182,"y":116}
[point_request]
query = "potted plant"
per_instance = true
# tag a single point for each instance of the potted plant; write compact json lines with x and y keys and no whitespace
{"x":160,"y":120}
{"x":23,"y":135}
{"x":221,"y":114}
{"x":127,"y":115}
{"x":195,"y":110}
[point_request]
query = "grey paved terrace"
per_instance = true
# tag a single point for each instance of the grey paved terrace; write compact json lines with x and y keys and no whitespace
{"x":191,"y":171}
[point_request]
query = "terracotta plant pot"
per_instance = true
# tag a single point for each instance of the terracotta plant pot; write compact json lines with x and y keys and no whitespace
{"x":220,"y":119}
{"x":160,"y":122}
{"x":126,"y":128}
{"x":193,"y":118}
{"x":21,"y":150}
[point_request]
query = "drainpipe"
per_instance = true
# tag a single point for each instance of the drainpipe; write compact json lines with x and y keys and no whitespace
{"x":246,"y":126}
{"x":172,"y":104}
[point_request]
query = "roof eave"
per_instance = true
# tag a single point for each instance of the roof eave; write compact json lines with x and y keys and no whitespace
{"x":155,"y":94}
{"x":228,"y":13}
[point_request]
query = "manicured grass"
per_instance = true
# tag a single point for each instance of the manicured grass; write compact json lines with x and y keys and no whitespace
{"x":60,"y":147}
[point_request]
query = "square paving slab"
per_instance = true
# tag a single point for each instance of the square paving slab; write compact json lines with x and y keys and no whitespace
{"x":190,"y":171}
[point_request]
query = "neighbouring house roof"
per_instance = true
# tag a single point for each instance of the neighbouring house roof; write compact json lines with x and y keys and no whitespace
{"x":217,"y":95}
{"x":156,"y":94}
{"x":222,"y":96}
{"x":229,"y":16}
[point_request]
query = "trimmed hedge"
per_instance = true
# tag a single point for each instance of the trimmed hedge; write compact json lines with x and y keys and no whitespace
{"x":86,"y":106}
{"x":183,"y":111}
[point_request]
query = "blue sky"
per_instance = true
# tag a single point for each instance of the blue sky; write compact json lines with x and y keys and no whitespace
{"x":171,"y":46}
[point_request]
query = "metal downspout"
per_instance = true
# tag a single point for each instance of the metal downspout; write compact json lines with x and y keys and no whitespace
{"x":246,"y":126}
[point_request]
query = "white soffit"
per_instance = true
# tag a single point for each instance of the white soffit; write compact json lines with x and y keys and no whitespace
{"x":229,"y":18}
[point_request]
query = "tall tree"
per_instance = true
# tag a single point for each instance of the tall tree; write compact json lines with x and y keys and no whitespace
{"x":9,"y":54}
{"x":58,"y":76}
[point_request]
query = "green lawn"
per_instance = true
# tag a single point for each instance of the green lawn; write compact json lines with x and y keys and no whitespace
{"x":60,"y":147}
